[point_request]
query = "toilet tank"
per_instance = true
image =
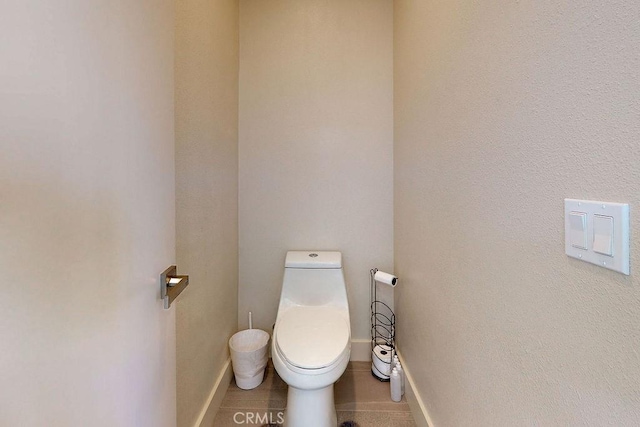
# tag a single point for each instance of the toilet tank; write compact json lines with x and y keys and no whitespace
{"x":313,"y":278}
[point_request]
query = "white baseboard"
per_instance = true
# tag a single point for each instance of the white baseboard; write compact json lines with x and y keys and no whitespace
{"x":218,"y":391}
{"x":360,"y":351}
{"x":418,"y":409}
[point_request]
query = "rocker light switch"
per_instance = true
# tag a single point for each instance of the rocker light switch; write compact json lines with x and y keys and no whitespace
{"x":598,"y":233}
{"x":578,"y":229}
{"x":603,"y":234}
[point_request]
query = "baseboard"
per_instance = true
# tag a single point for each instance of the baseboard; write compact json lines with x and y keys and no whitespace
{"x":418,"y":409}
{"x":360,"y":351}
{"x":218,"y":391}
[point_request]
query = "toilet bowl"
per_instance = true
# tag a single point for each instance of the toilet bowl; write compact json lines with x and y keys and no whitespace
{"x":311,"y":342}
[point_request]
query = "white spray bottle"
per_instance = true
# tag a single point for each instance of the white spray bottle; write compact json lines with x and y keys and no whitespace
{"x":396,"y":386}
{"x":398,"y":368}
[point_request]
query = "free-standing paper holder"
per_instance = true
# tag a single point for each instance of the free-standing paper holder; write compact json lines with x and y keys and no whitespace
{"x":383,"y":327}
{"x":171,"y":285}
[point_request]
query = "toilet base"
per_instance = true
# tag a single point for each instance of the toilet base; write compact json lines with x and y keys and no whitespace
{"x":310,"y":408}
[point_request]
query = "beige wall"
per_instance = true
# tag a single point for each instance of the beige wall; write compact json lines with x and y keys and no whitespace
{"x":206,"y":193}
{"x":501,"y":111}
{"x":86,"y":213}
{"x":315,"y":144}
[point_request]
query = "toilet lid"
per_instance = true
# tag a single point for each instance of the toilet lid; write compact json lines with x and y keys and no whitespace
{"x":312,"y":337}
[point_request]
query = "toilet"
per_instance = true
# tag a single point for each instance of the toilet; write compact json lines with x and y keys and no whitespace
{"x":311,"y":341}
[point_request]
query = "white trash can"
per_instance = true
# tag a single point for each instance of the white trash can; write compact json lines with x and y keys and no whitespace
{"x":249,"y":357}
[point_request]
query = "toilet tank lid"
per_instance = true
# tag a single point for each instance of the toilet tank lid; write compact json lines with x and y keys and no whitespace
{"x":313,"y":259}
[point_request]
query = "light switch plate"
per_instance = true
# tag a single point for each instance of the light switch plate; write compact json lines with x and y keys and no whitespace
{"x":619,"y":259}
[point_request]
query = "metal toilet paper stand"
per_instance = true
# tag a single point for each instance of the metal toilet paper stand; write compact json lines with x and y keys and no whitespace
{"x":383,"y":332}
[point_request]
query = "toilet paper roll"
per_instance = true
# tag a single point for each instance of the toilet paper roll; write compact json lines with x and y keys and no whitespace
{"x":378,"y":374}
{"x":386,"y":278}
{"x":382,"y":359}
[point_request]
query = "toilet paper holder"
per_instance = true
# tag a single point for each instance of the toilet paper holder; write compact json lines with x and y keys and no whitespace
{"x":383,"y":327}
{"x":171,"y":285}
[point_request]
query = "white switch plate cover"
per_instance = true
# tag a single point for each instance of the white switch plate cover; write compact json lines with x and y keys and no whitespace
{"x":620,"y":213}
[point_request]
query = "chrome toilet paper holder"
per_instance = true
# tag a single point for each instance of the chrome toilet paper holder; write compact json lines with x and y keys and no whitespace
{"x":171,"y":285}
{"x":383,"y":326}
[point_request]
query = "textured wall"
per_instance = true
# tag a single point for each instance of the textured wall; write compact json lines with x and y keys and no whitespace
{"x":86,"y":213}
{"x":501,"y":111}
{"x":206,"y":193}
{"x":315,"y":144}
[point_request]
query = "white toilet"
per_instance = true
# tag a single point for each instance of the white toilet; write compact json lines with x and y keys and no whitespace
{"x":311,"y":341}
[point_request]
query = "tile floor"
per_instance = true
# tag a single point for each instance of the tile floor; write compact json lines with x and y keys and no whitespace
{"x":361,"y":401}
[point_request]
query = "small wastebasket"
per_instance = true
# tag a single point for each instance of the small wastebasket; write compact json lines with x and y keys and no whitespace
{"x":249,"y":357}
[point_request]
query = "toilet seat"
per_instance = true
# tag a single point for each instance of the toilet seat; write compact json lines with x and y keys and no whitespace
{"x":310,"y":337}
